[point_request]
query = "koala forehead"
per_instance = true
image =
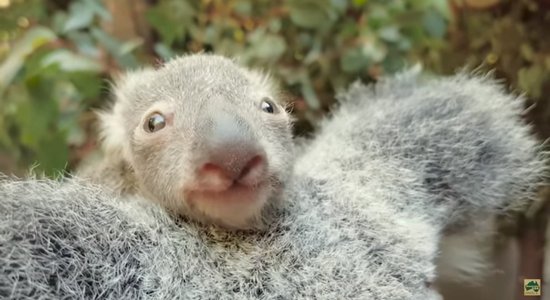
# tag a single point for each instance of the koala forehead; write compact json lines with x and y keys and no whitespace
{"x":192,"y":81}
{"x":193,"y":85}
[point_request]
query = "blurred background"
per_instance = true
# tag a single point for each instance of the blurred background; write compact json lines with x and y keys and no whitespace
{"x":57,"y":60}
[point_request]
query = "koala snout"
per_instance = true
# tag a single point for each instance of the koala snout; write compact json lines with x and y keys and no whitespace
{"x":228,"y":168}
{"x":231,"y":155}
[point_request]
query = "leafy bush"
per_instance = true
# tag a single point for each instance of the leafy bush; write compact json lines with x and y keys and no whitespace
{"x":58,"y":56}
{"x":510,"y":37}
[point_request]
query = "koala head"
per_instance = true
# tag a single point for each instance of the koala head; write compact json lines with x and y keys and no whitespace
{"x":205,"y":137}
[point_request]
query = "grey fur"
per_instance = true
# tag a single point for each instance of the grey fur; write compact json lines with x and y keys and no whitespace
{"x":397,"y":167}
{"x":199,"y":91}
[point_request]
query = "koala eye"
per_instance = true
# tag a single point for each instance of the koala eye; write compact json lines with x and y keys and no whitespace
{"x":268,"y":106}
{"x":155,"y":123}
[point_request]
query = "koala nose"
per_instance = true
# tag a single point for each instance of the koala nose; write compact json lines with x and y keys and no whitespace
{"x":232,"y":155}
{"x":228,"y":168}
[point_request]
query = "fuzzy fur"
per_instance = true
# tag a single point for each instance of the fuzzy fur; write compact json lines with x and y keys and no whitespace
{"x":399,"y":167}
{"x":208,"y":100}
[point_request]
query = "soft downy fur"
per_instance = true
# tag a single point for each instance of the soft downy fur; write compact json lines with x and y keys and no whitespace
{"x":398,"y":166}
{"x":465,"y":140}
{"x":207,"y":100}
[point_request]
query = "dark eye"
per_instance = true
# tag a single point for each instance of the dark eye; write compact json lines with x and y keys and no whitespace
{"x":268,"y":106}
{"x":155,"y":123}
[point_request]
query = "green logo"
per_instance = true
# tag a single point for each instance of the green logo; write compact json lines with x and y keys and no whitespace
{"x":531,"y":287}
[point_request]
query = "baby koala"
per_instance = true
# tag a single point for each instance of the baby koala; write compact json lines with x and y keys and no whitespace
{"x":206,"y":138}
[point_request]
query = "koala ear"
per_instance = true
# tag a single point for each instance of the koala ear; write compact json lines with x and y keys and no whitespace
{"x":261,"y":78}
{"x":113,"y":129}
{"x":266,"y":81}
{"x":112,"y":132}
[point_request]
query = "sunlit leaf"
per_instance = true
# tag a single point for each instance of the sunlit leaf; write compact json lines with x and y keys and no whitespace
{"x":85,"y":43}
{"x":435,"y":24}
{"x":89,"y":85}
{"x":354,"y":60}
{"x":359,"y":3}
{"x":30,"y":41}
{"x":163,"y":51}
{"x":390,"y":33}
{"x":309,"y":93}
{"x":243,"y":7}
{"x":270,"y":47}
{"x":171,"y":19}
{"x":80,"y":16}
{"x":34,"y":118}
{"x":311,"y":13}
{"x":53,"y":155}
{"x":530,"y":80}
{"x":82,"y":13}
{"x":71,"y":62}
{"x":115,"y":47}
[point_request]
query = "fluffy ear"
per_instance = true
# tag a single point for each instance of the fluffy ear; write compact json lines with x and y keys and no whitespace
{"x":112,"y":132}
{"x":113,"y":129}
{"x":264,"y":79}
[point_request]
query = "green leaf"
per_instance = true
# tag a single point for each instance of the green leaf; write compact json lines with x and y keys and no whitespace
{"x":98,"y":8}
{"x":171,"y":18}
{"x":354,"y":60}
{"x":270,"y":47}
{"x":88,"y":85}
{"x":390,"y":34}
{"x":359,"y":3}
{"x":243,"y":8}
{"x":29,"y":42}
{"x":339,"y":5}
{"x":82,"y":13}
{"x":309,"y":93}
{"x":404,"y":44}
{"x":210,"y":35}
{"x":434,"y":24}
{"x":80,"y":16}
{"x":275,"y":25}
{"x":442,"y":7}
{"x":393,"y":62}
{"x":34,"y":119}
{"x":29,"y":9}
{"x":531,"y":79}
{"x":527,"y":52}
{"x":52,"y":153}
{"x":116,"y":48}
{"x":129,"y":46}
{"x":84,"y":43}
{"x":71,"y":62}
{"x":163,"y":51}
{"x":375,"y":52}
{"x":311,"y":13}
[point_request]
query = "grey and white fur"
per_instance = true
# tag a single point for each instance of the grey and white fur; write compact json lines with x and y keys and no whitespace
{"x":220,"y":157}
{"x":360,"y":214}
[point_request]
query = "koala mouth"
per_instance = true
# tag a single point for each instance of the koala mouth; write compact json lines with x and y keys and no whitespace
{"x":225,"y":184}
{"x":237,"y":206}
{"x":230,"y":194}
{"x":235,"y":192}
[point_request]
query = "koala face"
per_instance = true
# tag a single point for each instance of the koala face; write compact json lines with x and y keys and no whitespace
{"x":206,"y":138}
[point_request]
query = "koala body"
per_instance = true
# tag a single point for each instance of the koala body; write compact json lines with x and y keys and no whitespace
{"x":459,"y":142}
{"x":400,"y":167}
{"x":72,"y":240}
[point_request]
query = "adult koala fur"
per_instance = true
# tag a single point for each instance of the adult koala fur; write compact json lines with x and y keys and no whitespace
{"x":400,"y":166}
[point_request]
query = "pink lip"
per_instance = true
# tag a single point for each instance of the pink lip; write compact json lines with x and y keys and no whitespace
{"x":235,"y":192}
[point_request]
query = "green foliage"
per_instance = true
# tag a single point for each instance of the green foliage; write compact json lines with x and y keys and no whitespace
{"x":57,"y":56}
{"x":511,"y":38}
